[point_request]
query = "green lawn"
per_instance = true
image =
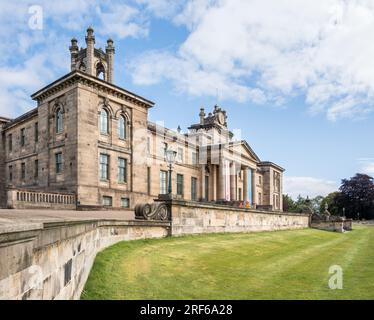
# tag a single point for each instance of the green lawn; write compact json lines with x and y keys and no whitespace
{"x":267,"y":265}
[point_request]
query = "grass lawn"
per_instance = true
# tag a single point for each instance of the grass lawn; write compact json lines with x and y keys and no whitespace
{"x":267,"y":265}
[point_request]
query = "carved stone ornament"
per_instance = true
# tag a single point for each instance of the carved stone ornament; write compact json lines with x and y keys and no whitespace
{"x":154,"y":211}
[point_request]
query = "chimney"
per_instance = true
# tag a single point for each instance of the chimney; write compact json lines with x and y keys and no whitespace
{"x":73,"y":53}
{"x":90,"y":41}
{"x":110,"y":60}
{"x":202,"y":116}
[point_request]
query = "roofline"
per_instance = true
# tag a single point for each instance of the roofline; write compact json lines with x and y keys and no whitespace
{"x":271,"y":164}
{"x":26,"y":116}
{"x":77,"y":73}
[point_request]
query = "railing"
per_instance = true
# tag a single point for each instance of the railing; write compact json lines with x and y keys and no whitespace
{"x":37,"y":199}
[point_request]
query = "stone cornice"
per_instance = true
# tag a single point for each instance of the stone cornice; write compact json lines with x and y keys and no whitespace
{"x":77,"y":76}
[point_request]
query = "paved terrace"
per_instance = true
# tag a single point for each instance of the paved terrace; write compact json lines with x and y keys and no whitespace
{"x":16,"y":220}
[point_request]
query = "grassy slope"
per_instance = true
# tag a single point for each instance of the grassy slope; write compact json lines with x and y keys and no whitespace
{"x":268,"y":265}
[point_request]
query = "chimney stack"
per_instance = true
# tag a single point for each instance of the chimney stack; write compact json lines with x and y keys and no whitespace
{"x":110,"y":60}
{"x":90,"y":41}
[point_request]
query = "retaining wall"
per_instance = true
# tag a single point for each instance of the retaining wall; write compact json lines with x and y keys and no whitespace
{"x":193,"y":218}
{"x":53,"y":260}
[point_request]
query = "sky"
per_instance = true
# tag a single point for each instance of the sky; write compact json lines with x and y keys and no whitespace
{"x":296,"y":77}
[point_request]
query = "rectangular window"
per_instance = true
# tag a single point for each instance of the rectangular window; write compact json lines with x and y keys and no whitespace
{"x":240,"y":198}
{"x":163,"y":182}
{"x":107,"y":201}
{"x":259,"y":180}
{"x":149,"y":180}
{"x":10,"y":173}
{"x":194,"y":158}
{"x":180,"y":185}
{"x":23,"y":136}
{"x":36,"y":168}
{"x":180,"y":155}
{"x":36,"y":132}
{"x":125,"y":203}
{"x":23,"y":171}
{"x":206,"y":188}
{"x":58,"y":157}
{"x":104,"y":167}
{"x":10,"y":142}
{"x":148,"y":145}
{"x":164,"y":148}
{"x":193,"y":189}
{"x":122,"y":170}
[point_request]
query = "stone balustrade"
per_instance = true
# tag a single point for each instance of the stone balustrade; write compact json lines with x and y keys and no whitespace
{"x":30,"y":199}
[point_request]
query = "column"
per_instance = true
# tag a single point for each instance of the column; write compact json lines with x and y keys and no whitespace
{"x":202,"y":183}
{"x":233,"y":181}
{"x":245,"y":184}
{"x":221,"y":181}
{"x":213,"y":183}
{"x":253,"y":187}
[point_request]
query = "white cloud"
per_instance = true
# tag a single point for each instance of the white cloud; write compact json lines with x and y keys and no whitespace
{"x":308,"y":186}
{"x":319,"y":49}
{"x":31,"y":59}
{"x":366,"y":165}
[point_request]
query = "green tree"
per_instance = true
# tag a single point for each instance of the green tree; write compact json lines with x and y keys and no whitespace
{"x":332,"y":202}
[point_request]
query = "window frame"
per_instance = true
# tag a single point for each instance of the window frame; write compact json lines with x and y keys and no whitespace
{"x":59,"y":121}
{"x":180,"y":184}
{"x":163,"y":178}
{"x":104,"y":111}
{"x":106,"y":164}
{"x":59,"y":161}
{"x":193,"y":188}
{"x":120,"y":168}
{"x":122,"y":119}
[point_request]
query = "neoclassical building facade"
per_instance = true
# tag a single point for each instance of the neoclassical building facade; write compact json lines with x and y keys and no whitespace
{"x":89,"y":143}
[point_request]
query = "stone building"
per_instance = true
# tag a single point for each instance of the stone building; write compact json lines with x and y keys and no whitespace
{"x":89,"y":143}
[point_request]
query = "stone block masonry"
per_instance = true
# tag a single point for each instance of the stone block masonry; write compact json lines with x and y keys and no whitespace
{"x":53,"y":260}
{"x":194,"y":218}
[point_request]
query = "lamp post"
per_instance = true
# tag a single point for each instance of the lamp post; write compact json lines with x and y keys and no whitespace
{"x":170,"y":158}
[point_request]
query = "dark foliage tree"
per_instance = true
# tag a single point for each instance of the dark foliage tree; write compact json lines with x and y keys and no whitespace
{"x":357,"y":197}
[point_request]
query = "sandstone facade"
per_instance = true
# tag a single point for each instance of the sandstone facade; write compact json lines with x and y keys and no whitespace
{"x":93,"y":139}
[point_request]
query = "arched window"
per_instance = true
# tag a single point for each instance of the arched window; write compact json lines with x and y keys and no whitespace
{"x":104,"y":121}
{"x":100,"y":71}
{"x":59,"y":121}
{"x":122,"y":127}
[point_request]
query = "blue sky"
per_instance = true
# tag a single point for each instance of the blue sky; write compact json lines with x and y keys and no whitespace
{"x":296,"y":77}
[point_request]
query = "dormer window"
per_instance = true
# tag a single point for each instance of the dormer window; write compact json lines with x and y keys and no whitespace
{"x":104,"y":121}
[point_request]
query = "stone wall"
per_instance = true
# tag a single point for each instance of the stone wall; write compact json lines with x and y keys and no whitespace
{"x":194,"y":218}
{"x":53,"y":260}
{"x":337,"y":226}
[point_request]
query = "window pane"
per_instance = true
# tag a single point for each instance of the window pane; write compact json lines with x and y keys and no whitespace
{"x":193,"y":188}
{"x":107,"y":201}
{"x":104,"y":167}
{"x":122,"y":127}
{"x":125,"y":203}
{"x":163,"y":182}
{"x":180,"y":184}
{"x":122,"y":170}
{"x":104,"y":128}
{"x":59,"y":122}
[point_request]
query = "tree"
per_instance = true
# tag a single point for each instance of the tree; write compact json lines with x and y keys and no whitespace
{"x":357,"y":196}
{"x":332,"y":203}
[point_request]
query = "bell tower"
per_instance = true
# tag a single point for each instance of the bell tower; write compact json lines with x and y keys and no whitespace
{"x":92,"y":61}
